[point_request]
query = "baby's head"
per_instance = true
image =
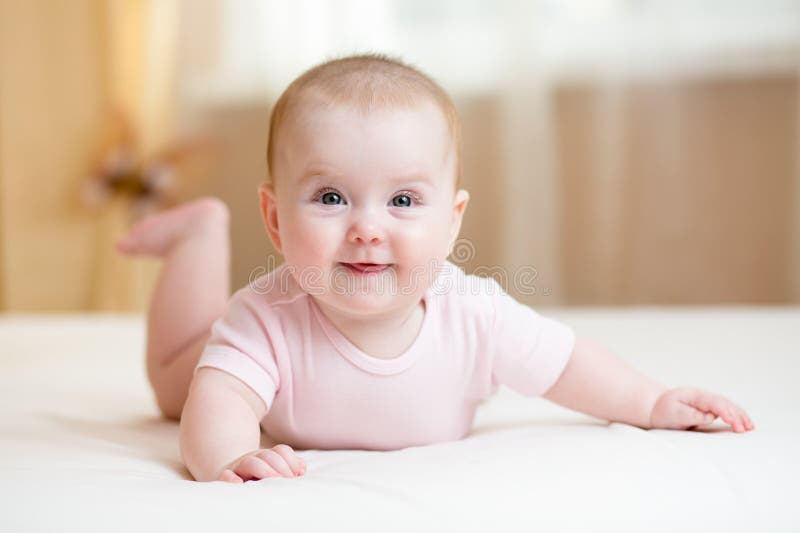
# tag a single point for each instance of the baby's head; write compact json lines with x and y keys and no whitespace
{"x":366,"y":83}
{"x":364,"y":160}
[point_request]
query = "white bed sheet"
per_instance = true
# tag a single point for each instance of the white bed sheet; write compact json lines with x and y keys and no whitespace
{"x":82,"y":447}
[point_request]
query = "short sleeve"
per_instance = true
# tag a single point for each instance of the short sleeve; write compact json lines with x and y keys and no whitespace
{"x":530,"y":351}
{"x":240,"y":344}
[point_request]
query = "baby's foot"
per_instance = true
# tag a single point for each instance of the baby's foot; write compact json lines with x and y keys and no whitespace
{"x":157,"y":234}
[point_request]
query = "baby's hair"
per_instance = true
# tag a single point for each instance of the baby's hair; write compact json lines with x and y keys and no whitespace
{"x":368,"y":82}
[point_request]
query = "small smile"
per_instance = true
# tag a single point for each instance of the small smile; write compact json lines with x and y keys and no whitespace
{"x":366,"y":269}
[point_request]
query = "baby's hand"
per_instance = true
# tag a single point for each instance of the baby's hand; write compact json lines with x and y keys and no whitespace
{"x":688,"y":408}
{"x":278,"y":461}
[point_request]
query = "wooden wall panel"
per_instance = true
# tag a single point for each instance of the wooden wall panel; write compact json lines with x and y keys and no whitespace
{"x":706,"y":187}
{"x":484,"y":176}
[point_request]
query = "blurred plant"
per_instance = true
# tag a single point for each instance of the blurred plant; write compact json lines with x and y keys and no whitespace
{"x":151,"y":184}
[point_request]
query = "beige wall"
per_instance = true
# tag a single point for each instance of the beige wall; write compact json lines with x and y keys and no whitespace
{"x":705,"y":181}
{"x":242,"y":131}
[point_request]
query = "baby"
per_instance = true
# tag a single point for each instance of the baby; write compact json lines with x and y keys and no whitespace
{"x":366,"y":337}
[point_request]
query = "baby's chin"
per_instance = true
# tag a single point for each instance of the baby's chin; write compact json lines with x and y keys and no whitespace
{"x":369,"y":305}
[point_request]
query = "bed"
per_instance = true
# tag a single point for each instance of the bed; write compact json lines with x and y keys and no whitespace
{"x":83,"y":447}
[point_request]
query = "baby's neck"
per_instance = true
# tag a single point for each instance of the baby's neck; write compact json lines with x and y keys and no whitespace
{"x":384,"y":337}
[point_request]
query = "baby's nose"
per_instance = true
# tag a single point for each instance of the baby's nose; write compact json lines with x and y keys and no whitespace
{"x":365,"y":231}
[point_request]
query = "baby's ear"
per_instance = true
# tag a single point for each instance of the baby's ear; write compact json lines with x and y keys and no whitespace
{"x":459,"y":206}
{"x":269,"y":213}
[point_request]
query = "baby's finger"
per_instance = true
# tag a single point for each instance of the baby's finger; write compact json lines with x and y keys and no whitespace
{"x":252,"y":468}
{"x":742,"y":415}
{"x":229,"y":477}
{"x":726,"y":415}
{"x":738,"y":414}
{"x":294,"y":461}
{"x":706,"y":419}
{"x":720,"y":406}
{"x":736,"y":419}
{"x":277,"y":462}
{"x":744,"y":420}
{"x":729,"y":412}
{"x":732,"y":418}
{"x":690,"y":417}
{"x":738,"y":425}
{"x":707,"y":402}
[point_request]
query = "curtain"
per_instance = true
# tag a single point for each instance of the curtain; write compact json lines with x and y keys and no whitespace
{"x":69,"y":69}
{"x":141,"y":66}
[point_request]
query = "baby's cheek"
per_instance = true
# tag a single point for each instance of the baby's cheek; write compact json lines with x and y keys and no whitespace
{"x":309,"y":245}
{"x":423,"y":252}
{"x":429,"y":241}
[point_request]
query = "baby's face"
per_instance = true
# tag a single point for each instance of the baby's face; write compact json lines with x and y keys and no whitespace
{"x":364,"y":206}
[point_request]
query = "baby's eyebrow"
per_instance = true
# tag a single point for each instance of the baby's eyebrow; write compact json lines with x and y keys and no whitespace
{"x":410,"y":177}
{"x":315,"y":172}
{"x":413,"y":178}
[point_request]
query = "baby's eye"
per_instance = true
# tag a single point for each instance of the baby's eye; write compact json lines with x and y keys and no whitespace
{"x":330,"y":198}
{"x":403,"y":200}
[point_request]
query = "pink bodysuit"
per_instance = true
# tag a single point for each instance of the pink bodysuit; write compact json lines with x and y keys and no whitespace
{"x":322,"y":392}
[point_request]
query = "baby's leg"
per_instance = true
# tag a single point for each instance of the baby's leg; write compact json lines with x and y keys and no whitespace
{"x":191,"y":293}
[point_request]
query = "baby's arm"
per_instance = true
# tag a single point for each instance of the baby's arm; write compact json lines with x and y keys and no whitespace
{"x":220,"y":433}
{"x":600,"y":384}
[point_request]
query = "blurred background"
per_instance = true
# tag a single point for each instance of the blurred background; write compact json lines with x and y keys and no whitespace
{"x":631,"y":152}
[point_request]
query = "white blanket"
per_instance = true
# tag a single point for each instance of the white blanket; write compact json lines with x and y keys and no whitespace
{"x":82,"y":447}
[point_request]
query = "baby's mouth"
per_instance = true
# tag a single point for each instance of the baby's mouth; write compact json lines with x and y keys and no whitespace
{"x":363,"y":269}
